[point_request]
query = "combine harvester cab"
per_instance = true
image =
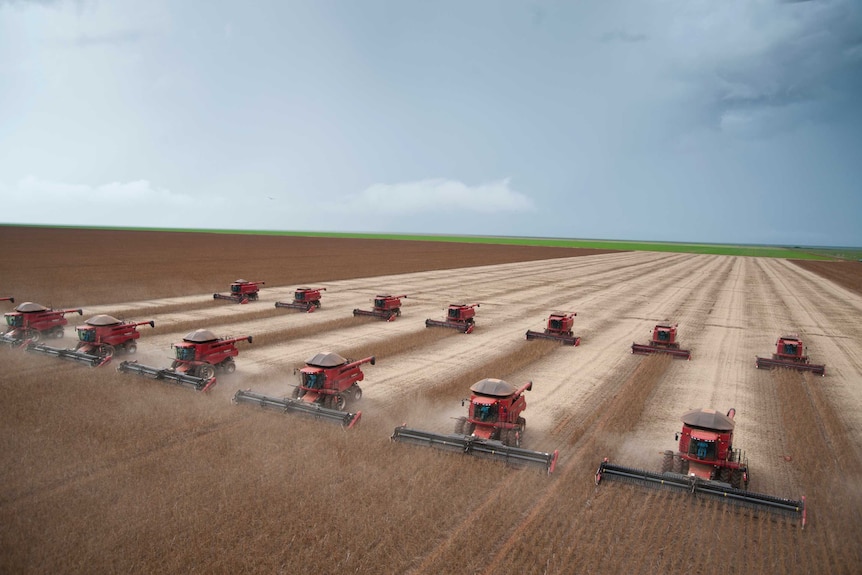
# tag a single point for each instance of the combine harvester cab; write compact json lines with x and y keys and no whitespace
{"x":664,"y":342}
{"x":32,"y":322}
{"x":304,"y":299}
{"x":706,"y":464}
{"x":328,"y":385}
{"x":493,"y":427}
{"x":790,"y":354}
{"x":559,"y":328}
{"x":386,"y":307}
{"x":458,"y":316}
{"x":241,"y":291}
{"x":99,"y":339}
{"x":197,"y":358}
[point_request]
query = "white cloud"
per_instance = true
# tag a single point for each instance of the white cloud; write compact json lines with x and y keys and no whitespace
{"x":436,"y":196}
{"x":136,"y":203}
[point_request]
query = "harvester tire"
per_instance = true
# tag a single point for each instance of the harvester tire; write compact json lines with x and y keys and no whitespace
{"x":105,"y":350}
{"x":725,"y":474}
{"x":339,"y":402}
{"x":131,"y":347}
{"x":355,"y":392}
{"x":296,"y":392}
{"x":684,"y":467}
{"x":229,"y":366}
{"x":460,"y":424}
{"x":667,"y":461}
{"x":57,"y":333}
{"x":522,"y":424}
{"x":677,"y":464}
{"x":206,"y":372}
{"x":33,"y":335}
{"x":736,"y":479}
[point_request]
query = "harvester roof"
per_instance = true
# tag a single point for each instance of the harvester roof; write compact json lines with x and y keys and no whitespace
{"x":326,"y":359}
{"x":29,"y":306}
{"x":241,"y":281}
{"x":493,"y":387}
{"x":200,"y":336}
{"x":102,"y":319}
{"x":708,"y":419}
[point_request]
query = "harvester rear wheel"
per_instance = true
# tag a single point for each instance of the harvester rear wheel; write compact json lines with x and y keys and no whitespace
{"x":667,"y":461}
{"x":229,"y":366}
{"x":460,"y":424}
{"x":57,"y":332}
{"x":131,"y":347}
{"x":355,"y":392}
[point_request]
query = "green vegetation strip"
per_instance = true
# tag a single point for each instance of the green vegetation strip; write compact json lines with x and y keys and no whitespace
{"x":788,"y":252}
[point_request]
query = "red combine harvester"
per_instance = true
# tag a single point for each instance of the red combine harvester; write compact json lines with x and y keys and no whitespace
{"x":559,"y":329}
{"x":706,"y":464}
{"x":328,"y":383}
{"x":241,"y":291}
{"x":789,"y":353}
{"x":459,"y":316}
{"x":198,"y":357}
{"x":99,"y":339}
{"x":32,"y":322}
{"x":663,"y":341}
{"x":305,"y":299}
{"x":386,"y":307}
{"x":493,"y":427}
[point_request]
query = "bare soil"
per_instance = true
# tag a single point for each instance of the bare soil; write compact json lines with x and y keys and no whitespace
{"x":105,"y":472}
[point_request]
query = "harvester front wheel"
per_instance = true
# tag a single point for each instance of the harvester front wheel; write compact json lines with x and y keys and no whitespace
{"x":339,"y":402}
{"x":677,"y":464}
{"x":105,"y":350}
{"x":33,"y":335}
{"x":725,"y":475}
{"x":736,"y":479}
{"x":206,"y":372}
{"x":667,"y":461}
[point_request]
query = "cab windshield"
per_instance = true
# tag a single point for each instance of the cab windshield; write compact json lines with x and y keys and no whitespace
{"x":485,"y":412}
{"x":185,"y":353}
{"x":15,"y":320}
{"x":87,"y":334}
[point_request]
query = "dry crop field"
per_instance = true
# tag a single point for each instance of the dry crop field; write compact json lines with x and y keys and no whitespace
{"x":106,"y":472}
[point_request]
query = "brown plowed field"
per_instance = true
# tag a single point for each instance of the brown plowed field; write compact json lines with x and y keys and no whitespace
{"x":105,"y":472}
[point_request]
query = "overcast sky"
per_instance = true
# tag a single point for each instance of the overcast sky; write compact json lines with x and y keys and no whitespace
{"x":682,"y":120}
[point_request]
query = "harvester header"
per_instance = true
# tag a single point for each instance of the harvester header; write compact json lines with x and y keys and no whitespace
{"x":790,"y":354}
